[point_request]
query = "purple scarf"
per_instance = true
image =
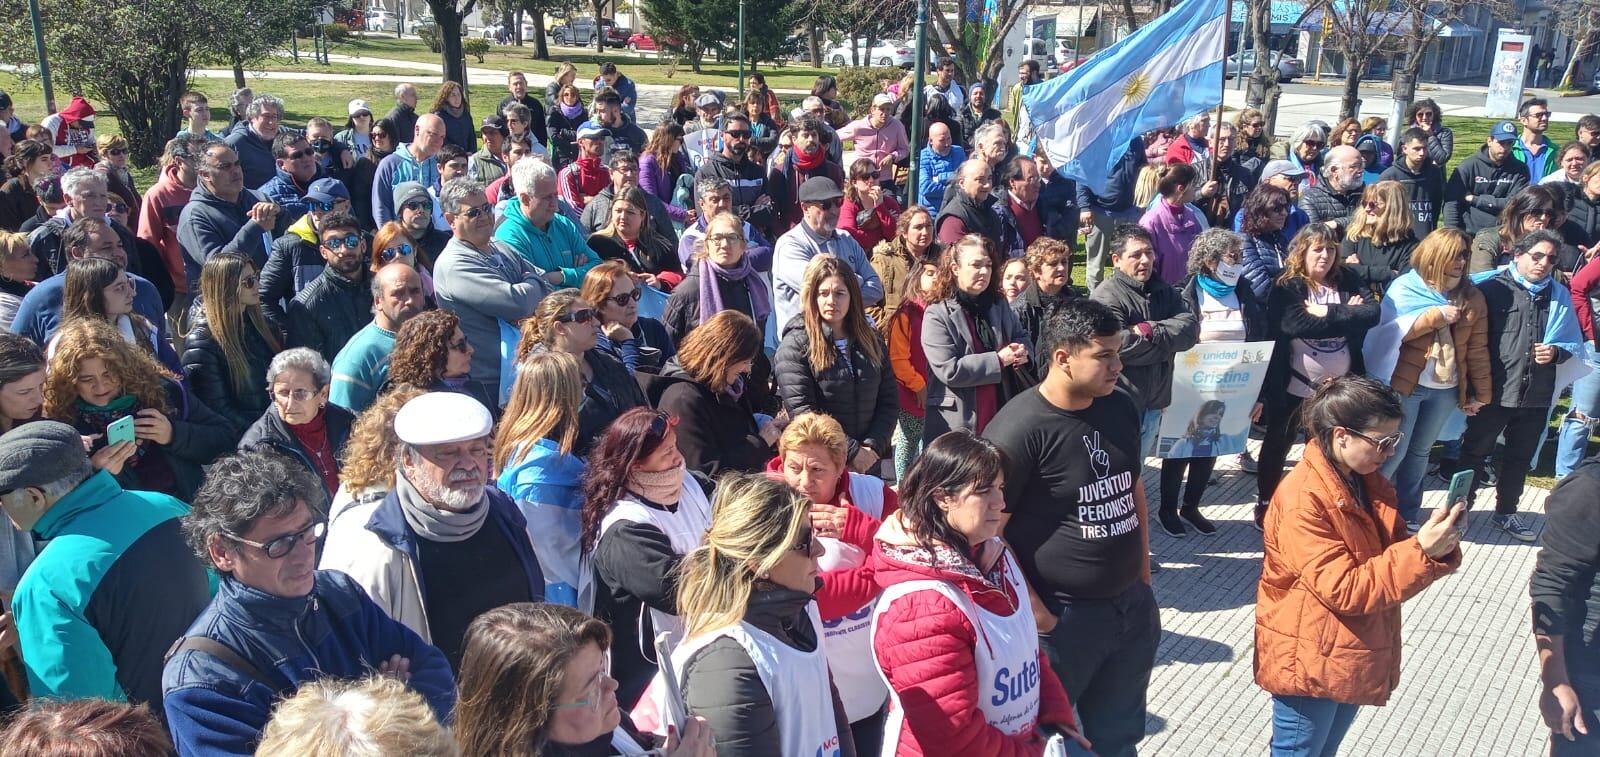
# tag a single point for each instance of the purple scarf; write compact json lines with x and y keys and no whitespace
{"x":711,"y":294}
{"x":571,"y":111}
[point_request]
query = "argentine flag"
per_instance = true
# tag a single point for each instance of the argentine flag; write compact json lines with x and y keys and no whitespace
{"x":1168,"y":70}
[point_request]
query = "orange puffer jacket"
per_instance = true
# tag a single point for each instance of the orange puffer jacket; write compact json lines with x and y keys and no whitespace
{"x":1328,"y":605}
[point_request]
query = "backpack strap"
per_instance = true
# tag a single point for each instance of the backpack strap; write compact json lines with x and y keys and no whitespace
{"x":222,"y":652}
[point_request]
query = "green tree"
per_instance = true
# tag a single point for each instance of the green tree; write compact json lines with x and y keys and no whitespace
{"x":135,"y":57}
{"x":977,"y":43}
{"x":693,"y":28}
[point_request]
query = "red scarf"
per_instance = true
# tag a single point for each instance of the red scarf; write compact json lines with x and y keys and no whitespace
{"x":809,"y":161}
{"x":313,"y":437}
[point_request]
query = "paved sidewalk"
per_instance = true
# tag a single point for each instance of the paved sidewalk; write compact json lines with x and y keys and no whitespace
{"x":1468,"y":681}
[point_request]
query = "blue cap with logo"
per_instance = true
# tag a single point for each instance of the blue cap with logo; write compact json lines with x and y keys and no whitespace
{"x":1505,"y":131}
{"x":327,"y":190}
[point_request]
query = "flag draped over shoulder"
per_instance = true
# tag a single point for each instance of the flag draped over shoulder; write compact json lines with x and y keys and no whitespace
{"x":1167,"y":71}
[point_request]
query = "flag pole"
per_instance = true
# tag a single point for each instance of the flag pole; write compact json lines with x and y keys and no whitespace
{"x":1222,"y":88}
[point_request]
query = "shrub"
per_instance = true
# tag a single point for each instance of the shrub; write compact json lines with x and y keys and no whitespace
{"x":336,"y":33}
{"x":857,"y":86}
{"x":477,"y":48}
{"x":429,"y":34}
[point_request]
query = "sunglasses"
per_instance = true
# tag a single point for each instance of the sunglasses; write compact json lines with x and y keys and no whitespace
{"x":320,"y":206}
{"x":297,"y":154}
{"x":417,"y":205}
{"x":1384,"y":445}
{"x":459,"y":345}
{"x":250,"y":282}
{"x":393,"y":253}
{"x":1313,"y":143}
{"x":347,"y":242}
{"x":737,"y":134}
{"x":280,"y":547}
{"x":472,"y":213}
{"x":577,"y":316}
{"x":117,"y":151}
{"x":808,"y":544}
{"x":116,"y":207}
{"x":621,"y":300}
{"x":1542,"y":213}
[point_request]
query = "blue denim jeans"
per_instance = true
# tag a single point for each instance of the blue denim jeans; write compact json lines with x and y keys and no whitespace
{"x":1426,"y":411}
{"x":1308,"y":726}
{"x":1149,"y":430}
{"x":1574,"y":432}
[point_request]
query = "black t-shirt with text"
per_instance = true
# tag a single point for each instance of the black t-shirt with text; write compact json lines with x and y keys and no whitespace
{"x":1070,"y":478}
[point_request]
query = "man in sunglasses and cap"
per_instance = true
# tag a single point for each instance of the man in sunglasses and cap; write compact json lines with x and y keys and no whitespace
{"x":277,"y":622}
{"x":296,"y":258}
{"x":91,"y":620}
{"x":337,"y":303}
{"x":297,"y":167}
{"x":445,"y":545}
{"x":817,"y":233}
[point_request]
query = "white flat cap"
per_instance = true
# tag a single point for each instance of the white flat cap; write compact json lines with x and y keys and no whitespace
{"x":442,"y":418}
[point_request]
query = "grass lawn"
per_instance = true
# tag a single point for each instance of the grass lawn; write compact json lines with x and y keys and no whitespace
{"x":642,"y":68}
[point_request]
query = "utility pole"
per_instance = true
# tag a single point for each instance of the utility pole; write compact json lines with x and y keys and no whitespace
{"x":920,"y":64}
{"x":44,"y":61}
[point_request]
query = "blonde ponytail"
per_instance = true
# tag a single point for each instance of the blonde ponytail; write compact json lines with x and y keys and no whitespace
{"x":754,"y":523}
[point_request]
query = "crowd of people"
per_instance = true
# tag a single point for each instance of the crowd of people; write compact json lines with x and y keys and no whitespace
{"x":554,"y":434}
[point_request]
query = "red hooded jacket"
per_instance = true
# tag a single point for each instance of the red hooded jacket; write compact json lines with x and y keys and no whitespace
{"x":846,"y":591}
{"x":924,"y":646}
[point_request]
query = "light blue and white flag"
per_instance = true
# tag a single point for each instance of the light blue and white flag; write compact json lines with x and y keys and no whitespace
{"x":1167,"y":71}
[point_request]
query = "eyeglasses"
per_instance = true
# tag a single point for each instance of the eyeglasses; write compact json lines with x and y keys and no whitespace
{"x":725,"y":237}
{"x":117,"y":151}
{"x":250,"y":282}
{"x":1313,"y":143}
{"x":623,"y":299}
{"x":1384,"y":445}
{"x":1539,"y":257}
{"x":577,"y":316}
{"x":592,"y":693}
{"x":117,"y":207}
{"x":460,"y":345}
{"x":1232,"y":257}
{"x":393,"y":253}
{"x":279,"y":548}
{"x":472,"y":213}
{"x":348,"y":242}
{"x":296,"y":154}
{"x":1371,"y":204}
{"x":293,"y":395}
{"x":1545,"y":115}
{"x":418,"y":205}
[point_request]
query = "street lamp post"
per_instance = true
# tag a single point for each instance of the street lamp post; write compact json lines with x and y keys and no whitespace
{"x":44,"y":62}
{"x":920,"y":63}
{"x":741,"y":49}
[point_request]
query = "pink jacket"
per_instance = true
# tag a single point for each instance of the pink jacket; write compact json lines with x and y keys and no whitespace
{"x":158,"y":223}
{"x":1174,"y":229}
{"x":873,"y":144}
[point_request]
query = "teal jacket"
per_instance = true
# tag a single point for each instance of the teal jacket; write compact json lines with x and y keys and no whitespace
{"x":114,"y":586}
{"x":559,"y":248}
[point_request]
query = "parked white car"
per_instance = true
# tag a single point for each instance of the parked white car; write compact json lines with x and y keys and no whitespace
{"x":887,"y":53}
{"x":380,"y":20}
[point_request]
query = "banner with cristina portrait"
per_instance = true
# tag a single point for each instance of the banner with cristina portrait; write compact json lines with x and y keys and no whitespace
{"x":1214,"y":389}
